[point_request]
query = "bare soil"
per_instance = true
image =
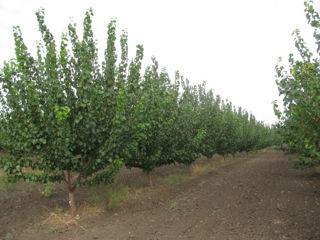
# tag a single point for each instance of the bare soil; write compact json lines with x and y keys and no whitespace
{"x":256,"y":197}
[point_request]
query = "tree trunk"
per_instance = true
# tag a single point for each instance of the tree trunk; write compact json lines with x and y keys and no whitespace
{"x":150,"y":179}
{"x":72,"y":204}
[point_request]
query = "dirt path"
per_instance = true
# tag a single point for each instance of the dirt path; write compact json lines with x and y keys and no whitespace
{"x":260,"y":198}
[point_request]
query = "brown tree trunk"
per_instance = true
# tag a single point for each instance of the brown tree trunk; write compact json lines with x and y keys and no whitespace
{"x":150,"y":179}
{"x":72,"y":204}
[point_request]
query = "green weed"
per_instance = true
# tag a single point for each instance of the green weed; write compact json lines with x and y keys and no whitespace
{"x":174,"y":206}
{"x":47,"y":190}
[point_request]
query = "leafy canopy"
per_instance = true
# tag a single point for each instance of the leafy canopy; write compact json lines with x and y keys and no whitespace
{"x":300,"y":88}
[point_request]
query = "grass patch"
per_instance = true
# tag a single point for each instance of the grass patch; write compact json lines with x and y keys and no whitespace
{"x":4,"y":185}
{"x":116,"y":195}
{"x":90,"y":210}
{"x":8,"y":236}
{"x":57,"y":221}
{"x":59,"y":218}
{"x":174,"y":179}
{"x":216,"y":164}
{"x":197,"y":170}
{"x":107,"y":197}
{"x":39,"y":227}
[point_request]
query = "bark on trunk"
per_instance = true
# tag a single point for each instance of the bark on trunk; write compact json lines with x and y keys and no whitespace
{"x":150,"y":179}
{"x":72,"y":204}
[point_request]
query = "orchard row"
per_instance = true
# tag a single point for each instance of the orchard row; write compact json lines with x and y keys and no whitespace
{"x":74,"y":120}
{"x":299,"y":122}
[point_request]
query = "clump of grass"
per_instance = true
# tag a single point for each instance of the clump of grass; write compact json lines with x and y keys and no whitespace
{"x":197,"y":170}
{"x":215,"y":165}
{"x":89,"y":210}
{"x":108,"y":197}
{"x":4,"y":184}
{"x":116,"y":195}
{"x":59,"y":219}
{"x":174,"y":179}
{"x":39,"y":227}
{"x":96,"y":204}
{"x":8,"y":236}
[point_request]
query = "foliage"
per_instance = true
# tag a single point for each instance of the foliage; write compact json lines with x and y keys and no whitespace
{"x":187,"y":130}
{"x":59,"y":110}
{"x":151,"y":119}
{"x":67,"y":118}
{"x":209,"y":108}
{"x":300,"y":88}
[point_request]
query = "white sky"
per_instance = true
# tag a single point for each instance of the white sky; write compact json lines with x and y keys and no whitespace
{"x":233,"y":45}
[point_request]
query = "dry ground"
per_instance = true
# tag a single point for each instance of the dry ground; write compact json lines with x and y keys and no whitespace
{"x":256,"y":197}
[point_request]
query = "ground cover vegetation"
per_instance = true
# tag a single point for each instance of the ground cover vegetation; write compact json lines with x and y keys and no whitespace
{"x":65,"y":117}
{"x":299,"y":121}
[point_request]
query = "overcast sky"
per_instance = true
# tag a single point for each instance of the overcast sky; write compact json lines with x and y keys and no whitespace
{"x":233,"y":45}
